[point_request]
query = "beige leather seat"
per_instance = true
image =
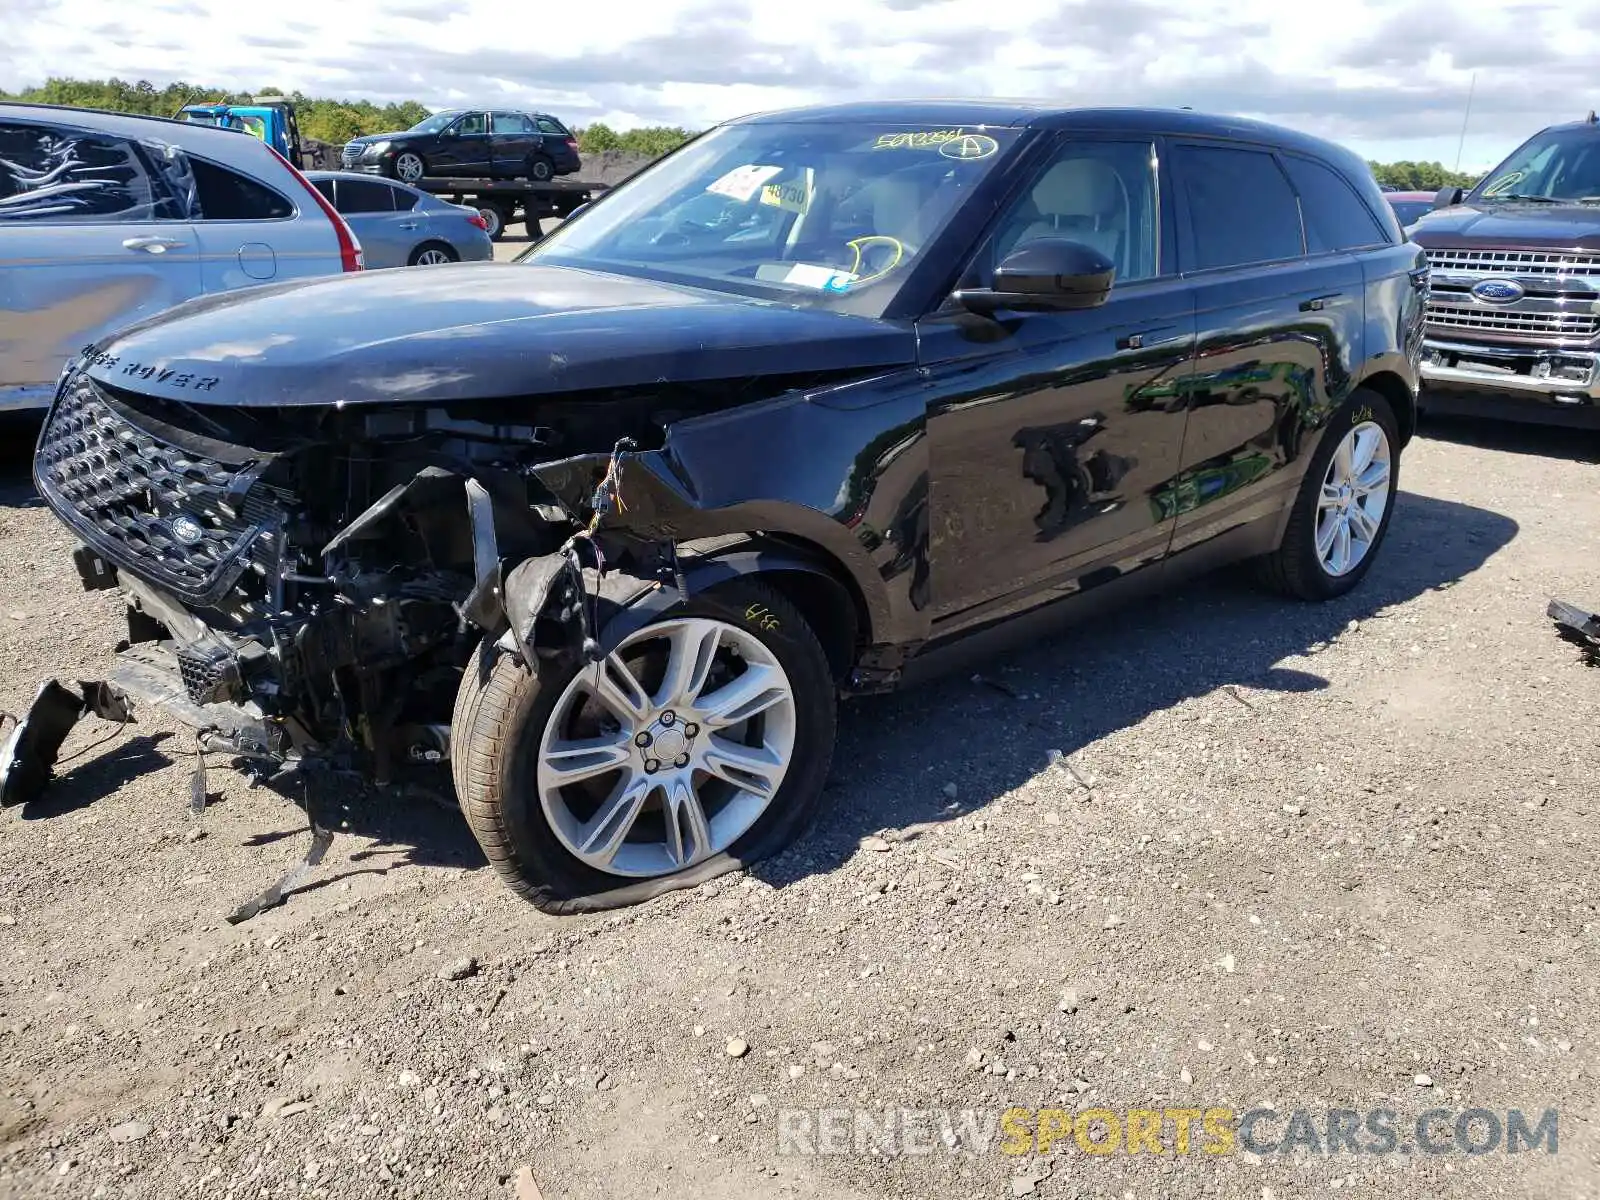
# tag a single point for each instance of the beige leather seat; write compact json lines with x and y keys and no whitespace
{"x":1080,"y":199}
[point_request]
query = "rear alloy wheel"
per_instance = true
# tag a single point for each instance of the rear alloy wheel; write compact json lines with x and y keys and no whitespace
{"x":409,"y":167}
{"x":541,"y":169}
{"x":700,"y":744}
{"x":1346,"y":499}
{"x":433,"y":254}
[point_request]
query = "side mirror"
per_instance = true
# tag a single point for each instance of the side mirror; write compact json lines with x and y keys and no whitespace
{"x":1047,"y":275}
{"x":1446,"y":196}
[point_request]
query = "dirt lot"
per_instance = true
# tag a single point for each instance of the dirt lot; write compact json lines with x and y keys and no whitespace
{"x":1314,"y":857}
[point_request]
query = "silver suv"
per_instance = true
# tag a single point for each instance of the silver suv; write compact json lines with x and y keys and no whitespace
{"x":107,"y":218}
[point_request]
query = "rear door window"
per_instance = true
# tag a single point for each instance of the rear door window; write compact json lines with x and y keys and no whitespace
{"x":365,"y":196}
{"x":60,"y":175}
{"x":546,"y":125}
{"x":226,"y":195}
{"x":1241,"y":209}
{"x":1335,"y":217}
{"x":404,"y":200}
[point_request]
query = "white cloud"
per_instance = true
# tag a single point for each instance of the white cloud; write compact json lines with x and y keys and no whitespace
{"x":1387,"y":77}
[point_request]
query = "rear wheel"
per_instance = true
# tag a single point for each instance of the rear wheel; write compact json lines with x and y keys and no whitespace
{"x":540,"y":169}
{"x":1342,"y":512}
{"x":433,"y":254}
{"x":699,"y":745}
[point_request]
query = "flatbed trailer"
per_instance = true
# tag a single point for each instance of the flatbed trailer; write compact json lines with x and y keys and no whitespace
{"x":502,"y":201}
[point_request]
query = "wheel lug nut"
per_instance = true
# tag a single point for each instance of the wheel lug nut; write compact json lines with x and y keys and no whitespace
{"x":683,"y":760}
{"x":642,"y":740}
{"x":668,"y":718}
{"x":651,"y":766}
{"x":690,"y":730}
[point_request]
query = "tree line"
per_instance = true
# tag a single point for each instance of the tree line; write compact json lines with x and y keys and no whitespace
{"x":333,"y":121}
{"x":337,"y":121}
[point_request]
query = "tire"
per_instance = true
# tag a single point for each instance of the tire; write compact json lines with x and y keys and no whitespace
{"x":408,"y":167}
{"x":497,"y":214}
{"x":435,"y":253}
{"x":1297,"y":568}
{"x":474,"y":682}
{"x":541,"y":169}
{"x":510,"y":816}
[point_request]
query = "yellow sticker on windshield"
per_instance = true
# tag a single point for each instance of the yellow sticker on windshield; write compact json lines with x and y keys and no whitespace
{"x":951,"y":143}
{"x":792,"y":197}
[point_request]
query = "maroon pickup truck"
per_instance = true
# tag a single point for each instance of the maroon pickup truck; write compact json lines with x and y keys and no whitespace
{"x":1513,"y":316}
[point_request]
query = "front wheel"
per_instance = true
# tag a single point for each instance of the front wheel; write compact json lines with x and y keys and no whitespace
{"x":1344,"y":505}
{"x":409,"y":167}
{"x":701,"y":744}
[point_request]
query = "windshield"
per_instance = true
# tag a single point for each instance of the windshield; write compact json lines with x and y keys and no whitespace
{"x":821,"y":215}
{"x":1562,"y":165}
{"x":437,"y":123}
{"x":1409,"y":212}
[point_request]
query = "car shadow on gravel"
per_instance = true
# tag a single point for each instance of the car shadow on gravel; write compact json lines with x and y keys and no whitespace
{"x":901,"y":756}
{"x":1512,"y":437}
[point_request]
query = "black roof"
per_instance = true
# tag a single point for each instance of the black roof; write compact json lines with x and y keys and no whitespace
{"x":1041,"y":114}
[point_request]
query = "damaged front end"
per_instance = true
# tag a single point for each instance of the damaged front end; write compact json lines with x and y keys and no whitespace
{"x":310,"y":582}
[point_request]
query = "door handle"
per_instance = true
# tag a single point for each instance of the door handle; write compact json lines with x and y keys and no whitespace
{"x":1318,"y":303}
{"x":408,"y":225}
{"x":152,"y":245}
{"x":1146,"y":338}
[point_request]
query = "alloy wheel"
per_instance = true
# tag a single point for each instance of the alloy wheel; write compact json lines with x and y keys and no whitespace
{"x":669,"y":750}
{"x":408,"y":167}
{"x":1354,"y":498}
{"x":433,"y":258}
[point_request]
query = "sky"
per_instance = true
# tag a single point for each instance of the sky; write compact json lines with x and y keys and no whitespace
{"x":1389,"y":78}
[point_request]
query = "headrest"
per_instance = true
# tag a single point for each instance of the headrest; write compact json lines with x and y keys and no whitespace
{"x":1078,"y":187}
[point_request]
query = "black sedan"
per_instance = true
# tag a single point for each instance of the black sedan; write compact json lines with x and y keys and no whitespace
{"x":471,"y":144}
{"x":827,"y":401}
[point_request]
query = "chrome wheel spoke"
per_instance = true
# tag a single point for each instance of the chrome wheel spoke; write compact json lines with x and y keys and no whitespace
{"x":614,"y":684}
{"x":1362,"y":524}
{"x":603,"y":836}
{"x":753,"y":768}
{"x":1374,"y":479}
{"x":1341,"y":547}
{"x":688,"y":831}
{"x":1327,"y":529}
{"x":1331,"y":495}
{"x":572,"y":762}
{"x":755,"y":691}
{"x":693,"y":648}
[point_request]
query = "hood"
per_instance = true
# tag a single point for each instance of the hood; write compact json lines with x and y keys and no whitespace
{"x":400,"y":135}
{"x":477,"y":331}
{"x":1512,"y":225}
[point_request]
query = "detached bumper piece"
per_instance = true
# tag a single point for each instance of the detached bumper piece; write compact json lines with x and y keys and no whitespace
{"x":1578,"y":626}
{"x":29,"y":755}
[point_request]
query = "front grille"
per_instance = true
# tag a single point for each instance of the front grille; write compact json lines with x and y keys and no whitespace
{"x":1530,"y":263}
{"x":351,"y":153}
{"x":1530,"y":325}
{"x":123,"y":489}
{"x":210,"y":673}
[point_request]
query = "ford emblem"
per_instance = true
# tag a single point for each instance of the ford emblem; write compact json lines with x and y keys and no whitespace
{"x":1498,"y":291}
{"x":187,"y":531}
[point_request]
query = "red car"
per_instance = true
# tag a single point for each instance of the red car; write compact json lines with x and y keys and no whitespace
{"x":1409,"y":207}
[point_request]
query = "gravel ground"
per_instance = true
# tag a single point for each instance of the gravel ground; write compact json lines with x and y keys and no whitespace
{"x":1321,"y":857}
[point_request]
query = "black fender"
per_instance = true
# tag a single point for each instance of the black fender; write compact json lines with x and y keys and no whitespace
{"x":542,"y":596}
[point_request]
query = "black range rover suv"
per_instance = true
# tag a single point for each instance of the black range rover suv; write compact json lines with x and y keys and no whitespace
{"x":820,"y":403}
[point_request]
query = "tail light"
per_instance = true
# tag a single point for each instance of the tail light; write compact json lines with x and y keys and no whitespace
{"x":477,"y":219}
{"x":350,"y":256}
{"x":572,"y":144}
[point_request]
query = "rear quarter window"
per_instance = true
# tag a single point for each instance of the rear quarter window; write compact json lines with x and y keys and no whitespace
{"x":1241,"y":207}
{"x":365,"y":196}
{"x":226,"y":195}
{"x":57,"y":175}
{"x":1335,"y":217}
